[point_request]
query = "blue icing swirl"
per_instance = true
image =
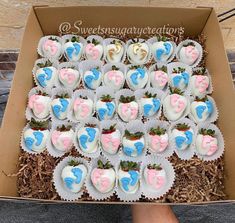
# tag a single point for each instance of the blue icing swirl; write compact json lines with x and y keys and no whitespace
{"x":77,"y":172}
{"x":199,"y":110}
{"x":69,"y":182}
{"x":209,"y":106}
{"x":101,"y":113}
{"x":189,"y":136}
{"x":29,"y":142}
{"x":179,"y":140}
{"x":125,"y":181}
{"x":147,"y":109}
{"x":156,"y":104}
{"x":39,"y":137}
{"x":83,"y":141}
{"x":110,"y":107}
{"x":91,"y":133}
{"x":134,"y":177}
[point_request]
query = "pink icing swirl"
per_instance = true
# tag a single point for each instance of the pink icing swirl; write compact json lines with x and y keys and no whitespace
{"x":51,"y":45}
{"x":201,"y":83}
{"x":161,"y":78}
{"x":126,"y":107}
{"x":156,"y":140}
{"x":177,"y":103}
{"x":154,"y":179}
{"x":65,"y":74}
{"x":191,"y":52}
{"x":211,"y":142}
{"x":80,"y":103}
{"x":38,"y":107}
{"x":92,"y":50}
{"x":109,"y":142}
{"x":113,"y":75}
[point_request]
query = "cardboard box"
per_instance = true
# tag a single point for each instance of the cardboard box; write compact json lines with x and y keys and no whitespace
{"x":46,"y":20}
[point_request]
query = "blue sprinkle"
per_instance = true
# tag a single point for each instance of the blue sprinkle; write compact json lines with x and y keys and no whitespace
{"x":189,"y":136}
{"x":96,"y":73}
{"x":56,"y":110}
{"x":156,"y":104}
{"x":147,"y":109}
{"x":69,"y":182}
{"x":185,"y":77}
{"x":41,"y":79}
{"x":39,"y":137}
{"x":101,"y":113}
{"x":77,"y":172}
{"x":48,"y":72}
{"x":125,"y":183}
{"x":29,"y":142}
{"x":139,"y":147}
{"x":159,"y":53}
{"x":141,"y":71}
{"x":209,"y":106}
{"x":88,"y":80}
{"x":64,"y":104}
{"x":179,"y":140}
{"x":77,"y":48}
{"x":110,"y":107}
{"x":167,"y":47}
{"x":134,"y":177}
{"x":199,"y":110}
{"x":176,"y":80}
{"x":83,"y":140}
{"x":91,"y":132}
{"x":69,"y":52}
{"x":128,"y":151}
{"x":134,"y":78}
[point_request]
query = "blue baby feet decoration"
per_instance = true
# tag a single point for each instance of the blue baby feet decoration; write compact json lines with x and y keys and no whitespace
{"x":41,"y":79}
{"x":29,"y":142}
{"x":77,"y":172}
{"x":48,"y":72}
{"x":185,"y":76}
{"x":125,"y":181}
{"x":101,"y":113}
{"x":110,"y":107}
{"x":70,"y":50}
{"x":159,"y":53}
{"x":64,"y":104}
{"x":89,"y":78}
{"x":156,"y":104}
{"x":179,"y":140}
{"x":176,"y":80}
{"x":147,"y":109}
{"x":69,"y":182}
{"x":139,"y":146}
{"x":167,"y":47}
{"x":39,"y":137}
{"x":91,"y":133}
{"x":199,"y":110}
{"x":209,"y":106}
{"x":77,"y":48}
{"x":128,"y":151}
{"x":83,"y":141}
{"x":134,"y":177}
{"x":56,"y":110}
{"x":189,"y":136}
{"x":140,"y":73}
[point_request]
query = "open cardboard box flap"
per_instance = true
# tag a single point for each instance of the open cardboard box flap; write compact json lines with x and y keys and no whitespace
{"x":46,"y":20}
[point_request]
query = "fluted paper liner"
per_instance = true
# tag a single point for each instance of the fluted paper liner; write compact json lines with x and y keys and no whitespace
{"x":170,"y":177}
{"x":93,"y":192}
{"x":153,"y":123}
{"x":187,"y":153}
{"x":197,"y":45}
{"x":64,"y":193}
{"x":220,"y":138}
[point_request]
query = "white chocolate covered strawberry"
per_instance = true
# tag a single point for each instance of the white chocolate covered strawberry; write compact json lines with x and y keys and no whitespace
{"x":159,"y":78}
{"x":114,"y":51}
{"x":51,"y":47}
{"x":69,"y":77}
{"x":94,"y":50}
{"x":137,"y":52}
{"x":105,"y":107}
{"x":179,"y":78}
{"x":92,"y":78}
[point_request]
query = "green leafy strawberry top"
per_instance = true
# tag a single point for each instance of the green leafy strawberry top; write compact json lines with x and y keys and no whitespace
{"x":65,"y":95}
{"x":162,"y":38}
{"x":182,"y":127}
{"x":106,"y":98}
{"x":48,"y":63}
{"x":201,"y":99}
{"x":154,"y":166}
{"x":42,"y":93}
{"x":129,"y":165}
{"x":83,"y":97}
{"x":53,"y":38}
{"x":126,"y":99}
{"x":178,"y":70}
{"x":90,"y":125}
{"x":94,"y":41}
{"x":163,"y":68}
{"x":102,"y":165}
{"x":73,"y":39}
{"x":134,"y":67}
{"x":115,"y":41}
{"x":63,"y":128}
{"x":200,"y":71}
{"x":157,"y":131}
{"x":115,"y":68}
{"x":133,"y":136}
{"x":35,"y":125}
{"x":174,"y":90}
{"x":189,"y":44}
{"x":209,"y":132}
{"x":73,"y":163}
{"x":109,"y":130}
{"x":149,"y":95}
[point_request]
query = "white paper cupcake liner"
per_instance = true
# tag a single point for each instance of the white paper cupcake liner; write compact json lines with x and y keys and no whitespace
{"x":55,"y":64}
{"x":197,"y":45}
{"x":81,"y":40}
{"x":28,"y":112}
{"x":53,"y":151}
{"x":146,"y":73}
{"x":108,"y":67}
{"x":212,"y":118}
{"x":149,"y":56}
{"x":153,"y":40}
{"x":42,"y":40}
{"x":187,"y":68}
{"x":125,"y":92}
{"x":210,"y":87}
{"x":59,"y":91}
{"x":77,"y":94}
{"x":87,"y":65}
{"x":59,"y":184}
{"x":22,"y":142}
{"x":135,"y":126}
{"x":91,"y":120}
{"x":93,"y":192}
{"x":220,"y":138}
{"x":185,"y":113}
{"x":107,"y":42}
{"x":105,"y":125}
{"x":151,"y":69}
{"x":190,"y":151}
{"x":68,"y":65}
{"x":170,"y":177}
{"x":153,"y":123}
{"x":140,"y":93}
{"x":100,"y":39}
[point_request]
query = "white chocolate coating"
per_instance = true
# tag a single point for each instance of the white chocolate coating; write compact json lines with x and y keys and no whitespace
{"x":158,"y":79}
{"x":114,"y":52}
{"x":69,"y":77}
{"x":62,"y":114}
{"x":74,"y":56}
{"x":177,"y":133}
{"x":139,"y":82}
{"x":160,"y":46}
{"x":199,"y":85}
{"x":154,"y":102}
{"x":48,"y":81}
{"x":105,"y":110}
{"x":204,"y":115}
{"x":138,"y":52}
{"x":52,"y":49}
{"x":132,"y":146}
{"x":94,"y":52}
{"x":128,"y":111}
{"x":94,"y":83}
{"x":206,"y":145}
{"x":187,"y":56}
{"x":83,"y":110}
{"x":114,"y":79}
{"x":158,"y":144}
{"x":111,"y":142}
